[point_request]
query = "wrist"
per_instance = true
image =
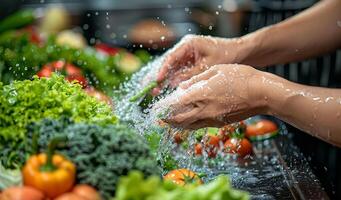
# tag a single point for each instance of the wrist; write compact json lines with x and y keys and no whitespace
{"x":255,"y":49}
{"x":257,"y":93}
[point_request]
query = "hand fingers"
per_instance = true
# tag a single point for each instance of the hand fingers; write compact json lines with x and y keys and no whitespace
{"x":197,"y":78}
{"x":156,"y":91}
{"x":185,"y":110}
{"x":203,"y":123}
{"x":171,"y":62}
{"x":184,"y":118}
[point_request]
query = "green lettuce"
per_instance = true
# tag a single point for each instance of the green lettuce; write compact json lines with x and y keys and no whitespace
{"x":135,"y":187}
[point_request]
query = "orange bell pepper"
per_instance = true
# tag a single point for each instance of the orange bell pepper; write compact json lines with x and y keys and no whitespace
{"x":50,"y":173}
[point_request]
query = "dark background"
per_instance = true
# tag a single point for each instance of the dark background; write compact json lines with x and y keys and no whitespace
{"x":225,"y":18}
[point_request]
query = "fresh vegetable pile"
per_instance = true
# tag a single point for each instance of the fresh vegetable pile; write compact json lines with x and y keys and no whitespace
{"x":101,"y":154}
{"x":26,"y":51}
{"x":23,"y":102}
{"x":59,"y":137}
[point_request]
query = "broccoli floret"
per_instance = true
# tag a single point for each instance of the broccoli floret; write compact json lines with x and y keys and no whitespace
{"x":101,"y":154}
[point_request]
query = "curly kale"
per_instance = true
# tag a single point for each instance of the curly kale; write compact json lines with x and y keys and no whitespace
{"x":101,"y":154}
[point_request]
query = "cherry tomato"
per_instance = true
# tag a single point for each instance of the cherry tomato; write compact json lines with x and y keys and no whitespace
{"x":240,"y":146}
{"x":106,"y":49}
{"x":212,"y":145}
{"x":227,"y":131}
{"x":72,"y":73}
{"x":177,"y":138}
{"x":46,"y":71}
{"x":99,"y":95}
{"x":260,"y":128}
{"x":33,"y":35}
{"x":198,"y":149}
{"x":182,"y":177}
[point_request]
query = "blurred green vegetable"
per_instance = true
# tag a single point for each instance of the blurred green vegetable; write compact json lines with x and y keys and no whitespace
{"x":9,"y":177}
{"x":144,"y":91}
{"x":21,"y":59}
{"x":101,"y":154}
{"x":135,"y":187}
{"x":17,"y":20}
{"x":23,"y":102}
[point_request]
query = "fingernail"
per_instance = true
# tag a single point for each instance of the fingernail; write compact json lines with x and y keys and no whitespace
{"x":156,"y":91}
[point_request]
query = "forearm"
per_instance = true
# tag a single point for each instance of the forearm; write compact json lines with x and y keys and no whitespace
{"x":310,"y":33}
{"x":315,"y":110}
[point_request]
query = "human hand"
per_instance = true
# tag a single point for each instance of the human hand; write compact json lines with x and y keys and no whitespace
{"x":195,"y":54}
{"x":221,"y":95}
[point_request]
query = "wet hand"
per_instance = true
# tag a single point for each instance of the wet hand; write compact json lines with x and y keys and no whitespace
{"x":222,"y":94}
{"x":195,"y":54}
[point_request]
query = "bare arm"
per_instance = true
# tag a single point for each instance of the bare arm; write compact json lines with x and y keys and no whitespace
{"x":230,"y":93}
{"x":312,"y":109}
{"x":314,"y":31}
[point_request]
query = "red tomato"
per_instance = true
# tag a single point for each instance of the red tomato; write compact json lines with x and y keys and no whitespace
{"x":198,"y":149}
{"x":260,"y":128}
{"x":70,"y":196}
{"x":87,"y":192}
{"x":99,"y":95}
{"x":72,"y":73}
{"x":106,"y":49}
{"x":212,"y":145}
{"x":21,"y":193}
{"x":182,"y":177}
{"x":226,"y":131}
{"x":46,"y":71}
{"x":240,"y":146}
{"x":78,"y":78}
{"x":177,"y":138}
{"x":33,"y":35}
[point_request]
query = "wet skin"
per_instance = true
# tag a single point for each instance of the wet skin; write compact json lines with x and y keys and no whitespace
{"x":216,"y":95}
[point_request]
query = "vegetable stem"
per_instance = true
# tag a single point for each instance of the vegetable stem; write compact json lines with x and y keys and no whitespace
{"x":144,"y":91}
{"x":49,"y":166}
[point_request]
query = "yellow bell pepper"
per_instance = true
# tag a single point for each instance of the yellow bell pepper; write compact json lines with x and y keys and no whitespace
{"x":50,"y":173}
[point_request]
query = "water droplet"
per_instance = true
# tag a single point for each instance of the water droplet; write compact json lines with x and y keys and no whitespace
{"x":85,"y":26}
{"x":338,"y":23}
{"x":328,"y":134}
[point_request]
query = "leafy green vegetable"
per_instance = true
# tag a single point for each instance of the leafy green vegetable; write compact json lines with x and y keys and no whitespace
{"x":143,"y":55}
{"x":135,"y":187}
{"x":9,"y":177}
{"x":101,"y":154}
{"x":23,"y":102}
{"x":21,"y":59}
